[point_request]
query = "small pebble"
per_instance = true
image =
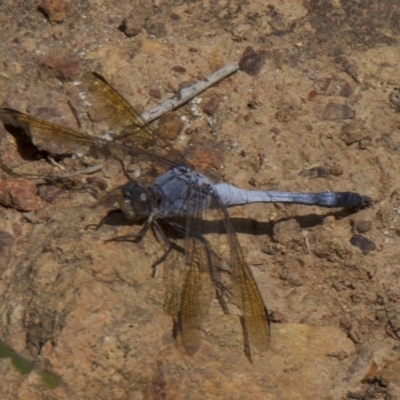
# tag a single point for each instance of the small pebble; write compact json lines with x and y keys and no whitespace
{"x":240,"y":31}
{"x":394,"y":98}
{"x":179,"y":68}
{"x":346,"y":90}
{"x":170,"y":126}
{"x":316,"y":172}
{"x":336,"y":170}
{"x":66,"y":67}
{"x":364,"y":244}
{"x":134,"y":23}
{"x":20,"y":194}
{"x":156,"y":29}
{"x":211,"y":106}
{"x":252,"y":61}
{"x":362,"y":226}
{"x":353,"y":132}
{"x":54,"y":9}
{"x":155,"y":93}
{"x":6,"y":243}
{"x":336,"y":111}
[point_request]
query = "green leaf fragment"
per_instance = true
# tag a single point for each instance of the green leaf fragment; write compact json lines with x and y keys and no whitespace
{"x":21,"y":364}
{"x":49,"y":379}
{"x":5,"y":351}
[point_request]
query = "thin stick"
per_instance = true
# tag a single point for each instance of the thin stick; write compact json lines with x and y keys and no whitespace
{"x":54,"y":163}
{"x":189,"y":92}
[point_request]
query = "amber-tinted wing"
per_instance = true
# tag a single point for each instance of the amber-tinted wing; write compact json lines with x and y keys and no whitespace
{"x":247,"y":296}
{"x":58,"y":140}
{"x":191,"y":286}
{"x":135,"y":136}
{"x":120,"y":116}
{"x":254,"y":313}
{"x":189,"y":292}
{"x":194,"y":279}
{"x":50,"y":137}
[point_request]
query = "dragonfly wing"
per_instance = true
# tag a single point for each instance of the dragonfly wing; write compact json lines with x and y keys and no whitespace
{"x":126,"y":121}
{"x":246,"y":293}
{"x":190,"y":286}
{"x":196,"y":296}
{"x":110,"y":105}
{"x":58,"y":140}
{"x":136,"y":138}
{"x":255,"y":315}
{"x":174,"y":273}
{"x":189,"y":290}
{"x":47,"y":136}
{"x":201,"y":279}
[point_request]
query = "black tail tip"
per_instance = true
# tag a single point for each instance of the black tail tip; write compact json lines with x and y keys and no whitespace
{"x":354,"y":200}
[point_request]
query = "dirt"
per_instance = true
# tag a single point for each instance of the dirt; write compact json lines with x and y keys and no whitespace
{"x":314,"y":108}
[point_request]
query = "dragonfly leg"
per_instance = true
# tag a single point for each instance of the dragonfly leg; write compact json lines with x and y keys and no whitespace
{"x":219,"y":293}
{"x":159,"y":261}
{"x":157,"y":229}
{"x":124,"y":170}
{"x":95,"y":227}
{"x":132,"y":238}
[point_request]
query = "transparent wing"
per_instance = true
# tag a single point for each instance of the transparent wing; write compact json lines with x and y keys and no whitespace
{"x":58,"y":140}
{"x":190,"y":286}
{"x":196,"y":295}
{"x":51,"y":137}
{"x":125,"y":120}
{"x":135,"y":136}
{"x":112,"y":107}
{"x":255,"y":322}
{"x":196,"y":277}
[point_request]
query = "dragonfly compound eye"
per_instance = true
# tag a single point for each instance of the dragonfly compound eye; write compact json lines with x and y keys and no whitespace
{"x":134,"y":201}
{"x":126,"y":206}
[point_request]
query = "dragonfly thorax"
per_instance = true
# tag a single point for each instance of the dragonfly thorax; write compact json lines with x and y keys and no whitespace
{"x":136,"y":200}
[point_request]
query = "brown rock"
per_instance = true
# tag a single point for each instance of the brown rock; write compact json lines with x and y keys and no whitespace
{"x":156,"y":29}
{"x":252,"y":61}
{"x":155,"y":93}
{"x":288,"y":108}
{"x":389,"y":376}
{"x":315,"y":172}
{"x":3,"y":132}
{"x":204,"y":153}
{"x":134,"y":23}
{"x":212,"y":105}
{"x":312,"y":94}
{"x":302,"y":345}
{"x":179,"y":68}
{"x":363,"y":243}
{"x":336,"y":170}
{"x":169,"y":126}
{"x":239,"y":31}
{"x":362,"y":226}
{"x":19,"y":193}
{"x":65,"y":67}
{"x":6,"y":242}
{"x":288,"y":232}
{"x":54,"y":9}
{"x":394,"y":98}
{"x":346,"y":90}
{"x":353,"y":132}
{"x":336,"y":111}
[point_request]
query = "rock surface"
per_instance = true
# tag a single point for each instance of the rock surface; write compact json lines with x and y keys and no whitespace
{"x":316,"y":91}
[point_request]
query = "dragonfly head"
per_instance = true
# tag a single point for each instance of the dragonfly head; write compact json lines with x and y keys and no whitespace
{"x":135,"y":200}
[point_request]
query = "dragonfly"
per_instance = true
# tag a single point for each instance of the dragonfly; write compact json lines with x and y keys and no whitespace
{"x":179,"y":199}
